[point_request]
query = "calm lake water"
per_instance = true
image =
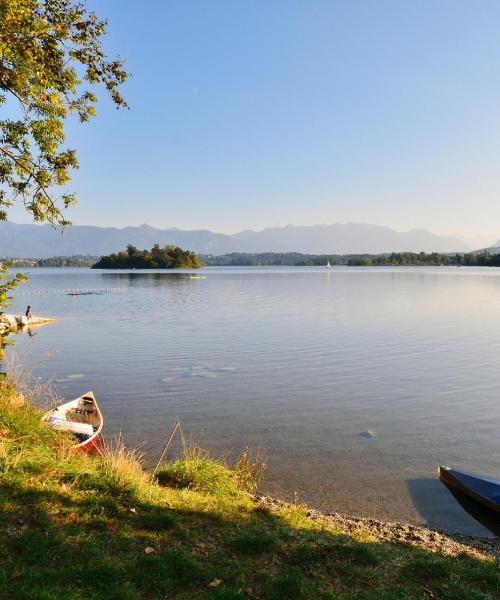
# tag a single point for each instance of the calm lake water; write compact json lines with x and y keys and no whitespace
{"x":299,"y":361}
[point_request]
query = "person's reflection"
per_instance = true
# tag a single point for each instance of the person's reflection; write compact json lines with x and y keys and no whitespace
{"x":30,"y":332}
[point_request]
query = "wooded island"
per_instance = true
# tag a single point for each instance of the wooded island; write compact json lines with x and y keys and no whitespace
{"x":169,"y":257}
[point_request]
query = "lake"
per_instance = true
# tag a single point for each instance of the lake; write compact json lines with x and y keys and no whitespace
{"x":356,"y":382}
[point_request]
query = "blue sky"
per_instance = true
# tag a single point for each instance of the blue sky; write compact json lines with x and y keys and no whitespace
{"x":253,"y":114}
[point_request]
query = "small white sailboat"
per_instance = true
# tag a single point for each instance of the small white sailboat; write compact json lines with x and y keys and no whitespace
{"x":328,"y":265}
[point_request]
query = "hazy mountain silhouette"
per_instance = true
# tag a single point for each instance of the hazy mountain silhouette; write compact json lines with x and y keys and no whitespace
{"x":495,"y":249}
{"x":346,"y":238}
{"x":43,"y":240}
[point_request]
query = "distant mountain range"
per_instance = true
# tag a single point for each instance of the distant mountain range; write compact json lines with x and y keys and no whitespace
{"x":495,"y":249}
{"x":348,"y":238}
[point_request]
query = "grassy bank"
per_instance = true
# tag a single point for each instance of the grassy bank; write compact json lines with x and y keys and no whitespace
{"x":74,"y":526}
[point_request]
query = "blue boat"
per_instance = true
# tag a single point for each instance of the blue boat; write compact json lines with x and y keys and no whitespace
{"x":484,"y":490}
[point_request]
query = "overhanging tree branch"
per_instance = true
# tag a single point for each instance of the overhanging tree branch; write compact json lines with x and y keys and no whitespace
{"x":43,"y":45}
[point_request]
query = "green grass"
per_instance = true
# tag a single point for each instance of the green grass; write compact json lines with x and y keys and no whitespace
{"x":75,"y":527}
{"x":255,"y":541}
{"x":200,"y":473}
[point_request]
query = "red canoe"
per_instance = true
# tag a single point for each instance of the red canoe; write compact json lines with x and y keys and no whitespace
{"x":82,"y":418}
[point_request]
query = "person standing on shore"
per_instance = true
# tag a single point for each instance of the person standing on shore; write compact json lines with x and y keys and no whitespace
{"x":29,"y":314}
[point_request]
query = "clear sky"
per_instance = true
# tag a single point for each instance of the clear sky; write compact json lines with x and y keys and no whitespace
{"x":247,"y":114}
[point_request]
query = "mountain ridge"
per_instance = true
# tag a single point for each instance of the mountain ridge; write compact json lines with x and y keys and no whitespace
{"x":27,"y":240}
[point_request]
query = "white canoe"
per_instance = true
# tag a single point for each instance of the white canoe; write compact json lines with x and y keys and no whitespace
{"x":81,"y":417}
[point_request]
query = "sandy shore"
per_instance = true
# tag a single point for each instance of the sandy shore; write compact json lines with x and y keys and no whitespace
{"x":435,"y":540}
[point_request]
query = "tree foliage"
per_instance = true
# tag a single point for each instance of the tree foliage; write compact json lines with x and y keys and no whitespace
{"x":6,"y":286}
{"x":78,"y":260}
{"x":484,"y":259}
{"x":236,"y":259}
{"x":169,"y":257}
{"x":264,"y":259}
{"x":51,"y":56}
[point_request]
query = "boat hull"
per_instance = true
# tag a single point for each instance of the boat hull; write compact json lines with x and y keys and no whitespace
{"x":95,"y":442}
{"x":484,"y":490}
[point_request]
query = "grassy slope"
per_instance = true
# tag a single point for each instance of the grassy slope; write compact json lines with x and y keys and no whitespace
{"x":73,"y":526}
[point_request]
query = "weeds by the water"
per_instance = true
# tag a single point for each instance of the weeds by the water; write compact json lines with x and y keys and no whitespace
{"x":199,"y":472}
{"x":76,"y":527}
{"x":124,"y":464}
{"x":28,"y":387}
{"x":249,"y":469}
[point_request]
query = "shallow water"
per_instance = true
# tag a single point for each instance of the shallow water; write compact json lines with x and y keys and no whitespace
{"x":356,"y":382}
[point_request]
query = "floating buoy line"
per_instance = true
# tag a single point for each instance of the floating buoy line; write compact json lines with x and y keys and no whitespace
{"x":71,"y":291}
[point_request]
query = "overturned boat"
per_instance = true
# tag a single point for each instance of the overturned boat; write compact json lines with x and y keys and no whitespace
{"x":80,"y":417}
{"x":484,"y":490}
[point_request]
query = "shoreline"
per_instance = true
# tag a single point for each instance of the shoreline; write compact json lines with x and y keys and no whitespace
{"x":451,"y":543}
{"x":10,"y":323}
{"x":197,"y":526}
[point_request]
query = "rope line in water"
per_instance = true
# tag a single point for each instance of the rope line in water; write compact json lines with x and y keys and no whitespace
{"x":68,"y":291}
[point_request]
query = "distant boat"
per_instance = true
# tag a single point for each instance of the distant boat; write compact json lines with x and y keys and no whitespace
{"x":82,"y":418}
{"x":484,"y":490}
{"x":328,"y":265}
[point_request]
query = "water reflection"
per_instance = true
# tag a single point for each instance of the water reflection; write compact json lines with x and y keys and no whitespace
{"x":487,"y":517}
{"x":157,"y":276}
{"x":439,"y":510}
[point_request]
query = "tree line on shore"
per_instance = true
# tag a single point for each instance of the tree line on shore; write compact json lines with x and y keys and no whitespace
{"x":168,"y":257}
{"x":53,"y":261}
{"x":158,"y":258}
{"x":236,"y":259}
{"x":484,"y":259}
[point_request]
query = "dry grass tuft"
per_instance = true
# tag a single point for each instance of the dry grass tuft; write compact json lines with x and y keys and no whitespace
{"x":28,"y":389}
{"x":249,"y":469}
{"x":124,"y":463}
